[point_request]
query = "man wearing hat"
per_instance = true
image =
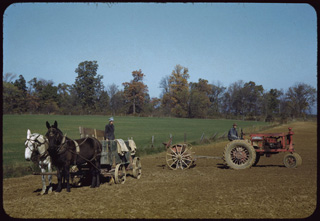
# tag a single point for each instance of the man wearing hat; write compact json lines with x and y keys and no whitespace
{"x":109,"y":130}
{"x":233,"y":134}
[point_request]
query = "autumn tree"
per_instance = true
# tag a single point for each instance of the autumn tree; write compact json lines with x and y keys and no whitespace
{"x":178,"y":92}
{"x":154,"y":106}
{"x":135,"y":92}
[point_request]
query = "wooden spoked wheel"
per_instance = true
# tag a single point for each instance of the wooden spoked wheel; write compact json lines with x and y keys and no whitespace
{"x":179,"y":156}
{"x":120,"y":174}
{"x":136,"y":170}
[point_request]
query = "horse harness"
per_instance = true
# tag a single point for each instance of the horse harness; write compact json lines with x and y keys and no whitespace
{"x":35,"y":150}
{"x":63,"y":148}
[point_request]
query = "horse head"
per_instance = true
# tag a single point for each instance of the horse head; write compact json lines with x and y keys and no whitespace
{"x":29,"y":146}
{"x":54,"y":135}
{"x":35,"y":145}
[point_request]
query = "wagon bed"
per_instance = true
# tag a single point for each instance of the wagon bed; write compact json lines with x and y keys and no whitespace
{"x":114,"y":162}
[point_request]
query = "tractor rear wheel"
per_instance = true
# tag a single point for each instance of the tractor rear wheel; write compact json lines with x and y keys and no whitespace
{"x":239,"y":154}
{"x":292,"y":160}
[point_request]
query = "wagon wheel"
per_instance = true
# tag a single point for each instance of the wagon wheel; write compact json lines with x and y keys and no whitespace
{"x":239,"y":154}
{"x":179,"y":156}
{"x":120,"y":174}
{"x":136,"y":171}
{"x":75,"y":178}
{"x":292,"y":160}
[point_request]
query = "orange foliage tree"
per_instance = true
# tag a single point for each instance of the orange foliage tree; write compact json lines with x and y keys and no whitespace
{"x":135,"y":92}
{"x":176,"y":98}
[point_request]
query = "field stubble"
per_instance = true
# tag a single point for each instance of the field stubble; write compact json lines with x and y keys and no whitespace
{"x":208,"y":190}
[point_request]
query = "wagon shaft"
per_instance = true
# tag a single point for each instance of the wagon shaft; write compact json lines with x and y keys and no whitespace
{"x":46,"y":173}
{"x":208,"y":157}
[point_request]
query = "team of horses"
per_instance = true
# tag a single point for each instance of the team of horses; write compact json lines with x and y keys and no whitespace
{"x":57,"y":149}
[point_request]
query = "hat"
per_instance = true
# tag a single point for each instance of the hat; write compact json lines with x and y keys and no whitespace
{"x":235,"y":124}
{"x":110,"y":119}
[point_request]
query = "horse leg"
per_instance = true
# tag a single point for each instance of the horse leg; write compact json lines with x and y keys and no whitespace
{"x":94,"y":178}
{"x":98,"y":173}
{"x":98,"y":179}
{"x":67,"y":174}
{"x":43,"y":178}
{"x":63,"y":179}
{"x":59,"y":179}
{"x":50,"y":178}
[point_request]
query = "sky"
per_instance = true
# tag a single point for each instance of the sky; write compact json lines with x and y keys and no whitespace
{"x":274,"y":45}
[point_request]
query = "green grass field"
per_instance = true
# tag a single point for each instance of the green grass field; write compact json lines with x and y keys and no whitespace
{"x":140,"y":128}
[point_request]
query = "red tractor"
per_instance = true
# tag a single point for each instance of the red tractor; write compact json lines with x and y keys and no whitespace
{"x":242,"y":154}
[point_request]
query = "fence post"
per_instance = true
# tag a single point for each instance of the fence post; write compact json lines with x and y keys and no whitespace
{"x":152,"y":141}
{"x":202,"y":136}
{"x":214,"y":136}
{"x":223,"y":135}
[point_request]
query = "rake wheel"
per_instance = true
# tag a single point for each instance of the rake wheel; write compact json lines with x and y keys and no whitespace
{"x":179,"y":156}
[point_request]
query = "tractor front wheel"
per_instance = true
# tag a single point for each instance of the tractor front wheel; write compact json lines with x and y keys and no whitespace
{"x":292,"y":160}
{"x":239,"y":154}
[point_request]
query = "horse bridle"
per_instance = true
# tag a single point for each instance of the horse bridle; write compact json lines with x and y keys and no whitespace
{"x":36,"y":143}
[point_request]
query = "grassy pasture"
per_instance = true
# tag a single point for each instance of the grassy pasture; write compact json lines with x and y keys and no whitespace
{"x":140,"y":128}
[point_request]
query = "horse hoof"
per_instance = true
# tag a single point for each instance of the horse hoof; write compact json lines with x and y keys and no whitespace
{"x":49,"y":191}
{"x":111,"y":181}
{"x":42,"y":192}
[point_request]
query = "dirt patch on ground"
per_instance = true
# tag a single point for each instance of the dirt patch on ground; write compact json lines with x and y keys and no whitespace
{"x":208,"y":190}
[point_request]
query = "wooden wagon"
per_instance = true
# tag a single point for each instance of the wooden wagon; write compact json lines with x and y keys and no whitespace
{"x":115,"y":163}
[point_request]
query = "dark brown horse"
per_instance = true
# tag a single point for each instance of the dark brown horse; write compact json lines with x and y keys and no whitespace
{"x":65,"y":152}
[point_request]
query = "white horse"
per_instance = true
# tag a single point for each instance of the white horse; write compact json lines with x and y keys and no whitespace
{"x":37,"y":151}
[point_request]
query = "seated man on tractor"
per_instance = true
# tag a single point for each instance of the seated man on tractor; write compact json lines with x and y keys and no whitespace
{"x":233,"y":133}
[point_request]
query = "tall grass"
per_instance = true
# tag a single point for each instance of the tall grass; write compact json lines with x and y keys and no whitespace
{"x":140,"y":128}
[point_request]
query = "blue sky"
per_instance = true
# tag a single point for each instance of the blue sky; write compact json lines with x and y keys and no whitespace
{"x":274,"y":45}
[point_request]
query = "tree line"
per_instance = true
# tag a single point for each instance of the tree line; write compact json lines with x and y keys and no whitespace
{"x":179,"y":97}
